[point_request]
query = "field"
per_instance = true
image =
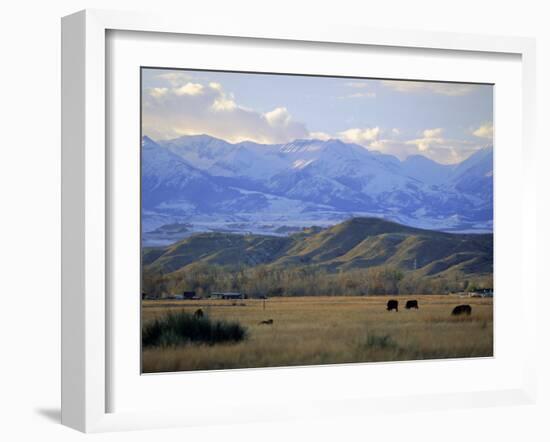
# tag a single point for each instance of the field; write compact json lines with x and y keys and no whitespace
{"x":328,"y":330}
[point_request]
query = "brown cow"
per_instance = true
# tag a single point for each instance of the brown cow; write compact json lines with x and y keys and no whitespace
{"x":268,"y":322}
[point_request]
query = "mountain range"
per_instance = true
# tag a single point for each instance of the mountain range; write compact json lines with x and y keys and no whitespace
{"x":357,"y":243}
{"x":199,"y":183}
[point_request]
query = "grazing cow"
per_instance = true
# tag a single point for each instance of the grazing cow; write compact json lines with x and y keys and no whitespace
{"x":392,"y":305}
{"x":268,"y":322}
{"x":463,"y":309}
{"x":412,"y":303}
{"x":199,"y":313}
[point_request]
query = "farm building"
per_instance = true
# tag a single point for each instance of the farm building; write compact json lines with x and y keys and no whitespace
{"x":189,"y":295}
{"x":481,"y":293}
{"x":185,"y":296}
{"x":229,"y":295}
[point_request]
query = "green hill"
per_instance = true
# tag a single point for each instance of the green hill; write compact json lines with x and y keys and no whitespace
{"x":358,"y":243}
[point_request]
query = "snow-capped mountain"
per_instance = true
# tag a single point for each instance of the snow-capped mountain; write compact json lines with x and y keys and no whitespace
{"x":210,"y":184}
{"x":219,"y":158}
{"x":166,"y":178}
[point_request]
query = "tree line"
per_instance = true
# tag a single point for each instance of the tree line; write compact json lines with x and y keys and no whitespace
{"x":304,"y":281}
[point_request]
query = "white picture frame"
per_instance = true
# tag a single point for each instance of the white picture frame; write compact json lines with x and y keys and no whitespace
{"x":86,"y":205}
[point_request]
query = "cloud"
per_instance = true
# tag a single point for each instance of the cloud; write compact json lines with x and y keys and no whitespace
{"x":278,"y":116}
{"x":431,"y":138}
{"x":189,"y":89}
{"x":190,"y":108}
{"x":360,"y":136}
{"x":432,"y":144}
{"x":400,"y":149}
{"x":442,"y":151}
{"x":224,"y":104}
{"x":358,"y":84}
{"x":319,"y":136}
{"x":180,"y":105}
{"x":432,"y":133}
{"x":359,"y":95}
{"x":158,"y":92}
{"x":449,"y":89}
{"x":484,"y":131}
{"x":176,"y":79}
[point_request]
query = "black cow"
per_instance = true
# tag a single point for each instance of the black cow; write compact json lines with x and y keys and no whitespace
{"x":412,"y":303}
{"x":268,"y":322}
{"x":392,"y":305}
{"x":463,"y":309}
{"x":199,"y":313}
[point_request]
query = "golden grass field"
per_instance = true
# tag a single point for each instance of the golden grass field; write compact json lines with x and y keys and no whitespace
{"x":328,"y":330}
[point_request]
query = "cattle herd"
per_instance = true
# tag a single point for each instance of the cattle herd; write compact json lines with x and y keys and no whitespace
{"x":393,"y":304}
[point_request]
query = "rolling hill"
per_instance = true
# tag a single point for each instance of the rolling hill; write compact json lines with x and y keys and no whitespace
{"x":358,"y":243}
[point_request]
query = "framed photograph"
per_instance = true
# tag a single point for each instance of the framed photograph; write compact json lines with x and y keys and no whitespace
{"x":266,"y":243}
{"x":292,"y":222}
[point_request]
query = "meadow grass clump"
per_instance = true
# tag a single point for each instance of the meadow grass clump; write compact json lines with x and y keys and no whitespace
{"x":177,"y":328}
{"x":380,"y":341}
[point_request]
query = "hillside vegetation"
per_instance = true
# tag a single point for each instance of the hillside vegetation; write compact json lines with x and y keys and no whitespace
{"x":358,"y":256}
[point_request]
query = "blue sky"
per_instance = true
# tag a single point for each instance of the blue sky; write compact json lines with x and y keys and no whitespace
{"x":446,"y":122}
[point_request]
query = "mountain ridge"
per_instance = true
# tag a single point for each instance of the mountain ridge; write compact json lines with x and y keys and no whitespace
{"x":358,"y":243}
{"x":215,"y":184}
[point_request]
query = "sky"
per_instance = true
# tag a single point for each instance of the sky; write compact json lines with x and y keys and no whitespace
{"x":445,"y":122}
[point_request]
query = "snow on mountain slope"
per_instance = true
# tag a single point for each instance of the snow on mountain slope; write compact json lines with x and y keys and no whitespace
{"x":201,"y":177}
{"x":165,"y":177}
{"x":475,"y":175}
{"x":348,"y":164}
{"x":220,"y":158}
{"x":425,"y":170}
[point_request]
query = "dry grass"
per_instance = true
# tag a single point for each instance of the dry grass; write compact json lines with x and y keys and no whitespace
{"x":329,"y":330}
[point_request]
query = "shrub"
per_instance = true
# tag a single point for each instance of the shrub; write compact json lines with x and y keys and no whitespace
{"x":380,"y":341}
{"x":181,"y":327}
